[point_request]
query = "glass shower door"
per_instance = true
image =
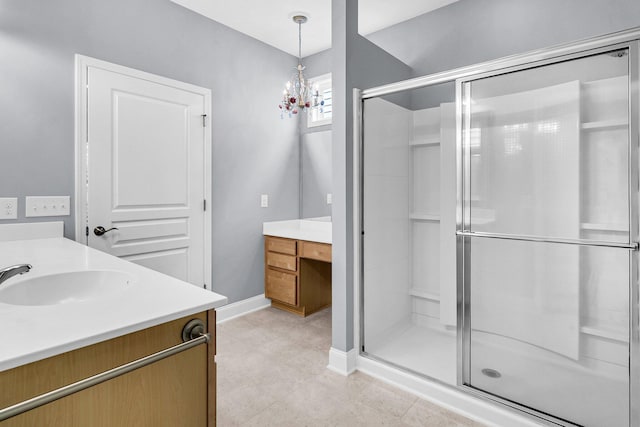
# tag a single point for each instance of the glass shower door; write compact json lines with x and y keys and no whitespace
{"x":547,"y":238}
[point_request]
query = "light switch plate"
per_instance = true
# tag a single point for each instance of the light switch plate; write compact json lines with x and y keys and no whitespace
{"x":329,"y":198}
{"x":8,"y":208}
{"x":47,"y":206}
{"x":264,"y":200}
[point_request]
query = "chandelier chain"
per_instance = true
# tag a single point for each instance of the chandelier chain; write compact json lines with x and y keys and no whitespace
{"x":299,"y":42}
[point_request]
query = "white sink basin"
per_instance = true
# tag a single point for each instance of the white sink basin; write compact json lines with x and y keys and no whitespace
{"x":63,"y":288}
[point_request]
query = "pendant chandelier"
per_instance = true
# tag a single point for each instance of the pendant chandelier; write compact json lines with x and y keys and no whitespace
{"x":299,"y":93}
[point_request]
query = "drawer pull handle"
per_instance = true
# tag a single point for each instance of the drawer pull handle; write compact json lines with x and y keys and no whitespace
{"x":51,"y":396}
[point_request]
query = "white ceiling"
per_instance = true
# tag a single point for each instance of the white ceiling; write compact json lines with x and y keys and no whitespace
{"x":270,"y":21}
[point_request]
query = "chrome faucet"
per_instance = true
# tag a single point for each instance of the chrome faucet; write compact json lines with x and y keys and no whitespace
{"x":9,"y":272}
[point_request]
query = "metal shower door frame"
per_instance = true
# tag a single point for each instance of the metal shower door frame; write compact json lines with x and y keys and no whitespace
{"x":627,"y":38}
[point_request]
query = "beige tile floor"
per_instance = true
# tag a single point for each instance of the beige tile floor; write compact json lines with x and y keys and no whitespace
{"x":272,"y":371}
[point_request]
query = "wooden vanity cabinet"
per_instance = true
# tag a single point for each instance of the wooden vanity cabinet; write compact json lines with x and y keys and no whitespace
{"x":281,"y":286}
{"x":314,"y":250}
{"x":297,"y":274}
{"x":177,"y":391}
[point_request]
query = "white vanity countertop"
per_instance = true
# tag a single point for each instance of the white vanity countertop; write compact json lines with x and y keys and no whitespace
{"x":33,"y":332}
{"x":312,"y":229}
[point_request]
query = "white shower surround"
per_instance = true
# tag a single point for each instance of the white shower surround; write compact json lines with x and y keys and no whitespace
{"x":469,"y":405}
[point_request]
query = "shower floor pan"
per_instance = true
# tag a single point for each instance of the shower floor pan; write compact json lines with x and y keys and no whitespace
{"x":424,"y":350}
{"x":589,"y":393}
{"x":586,"y":392}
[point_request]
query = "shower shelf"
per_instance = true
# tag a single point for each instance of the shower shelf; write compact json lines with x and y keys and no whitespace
{"x":605,"y":124}
{"x":604,"y":333}
{"x":424,"y":217}
{"x":621,"y":228}
{"x":424,"y":295}
{"x":422,"y":142}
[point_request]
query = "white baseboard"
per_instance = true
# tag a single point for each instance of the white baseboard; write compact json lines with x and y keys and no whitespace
{"x":342,"y":362}
{"x":445,"y":396}
{"x":240,"y":308}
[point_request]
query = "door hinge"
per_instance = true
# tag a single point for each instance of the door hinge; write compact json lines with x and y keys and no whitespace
{"x":205,"y":286}
{"x":204,"y":120}
{"x":204,"y":204}
{"x":86,"y":231}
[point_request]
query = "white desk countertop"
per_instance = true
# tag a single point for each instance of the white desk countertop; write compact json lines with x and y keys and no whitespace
{"x":31,"y":333}
{"x":313,"y":230}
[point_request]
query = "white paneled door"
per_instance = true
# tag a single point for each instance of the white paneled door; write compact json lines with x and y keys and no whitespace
{"x":145,"y":170}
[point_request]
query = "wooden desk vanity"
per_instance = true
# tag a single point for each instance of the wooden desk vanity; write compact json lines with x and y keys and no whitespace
{"x":297,"y":274}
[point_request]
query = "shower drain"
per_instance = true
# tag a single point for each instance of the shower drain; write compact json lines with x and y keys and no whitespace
{"x":491,"y":373}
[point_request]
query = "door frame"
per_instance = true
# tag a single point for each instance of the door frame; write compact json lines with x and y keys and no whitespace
{"x":82,"y":64}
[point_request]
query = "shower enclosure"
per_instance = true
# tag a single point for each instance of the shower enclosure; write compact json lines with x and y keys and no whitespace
{"x":499,"y":219}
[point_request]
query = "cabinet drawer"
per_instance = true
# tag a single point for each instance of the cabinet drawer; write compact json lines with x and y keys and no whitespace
{"x":281,"y":286}
{"x":286,"y":262}
{"x":313,"y":250}
{"x":283,"y":246}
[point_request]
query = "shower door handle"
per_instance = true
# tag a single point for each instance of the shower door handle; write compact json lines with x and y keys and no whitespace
{"x":634,"y":246}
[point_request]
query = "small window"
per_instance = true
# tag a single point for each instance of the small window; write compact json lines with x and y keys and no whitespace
{"x":321,"y":115}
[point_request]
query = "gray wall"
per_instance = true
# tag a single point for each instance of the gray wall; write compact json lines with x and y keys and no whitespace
{"x":355,"y":63}
{"x":472,"y":31}
{"x":254,"y":152}
{"x":318,"y":63}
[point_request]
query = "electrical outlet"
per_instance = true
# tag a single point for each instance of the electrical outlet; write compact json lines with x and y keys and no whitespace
{"x":47,"y":206}
{"x":9,"y":208}
{"x":329,"y":198}
{"x":264,"y":200}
